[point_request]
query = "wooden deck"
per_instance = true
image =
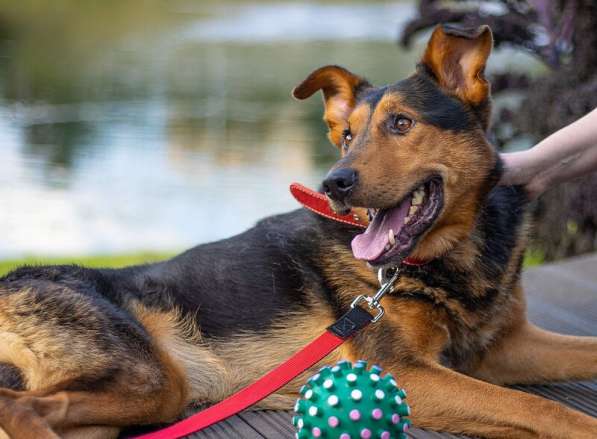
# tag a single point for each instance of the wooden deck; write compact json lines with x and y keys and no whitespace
{"x":561,"y":297}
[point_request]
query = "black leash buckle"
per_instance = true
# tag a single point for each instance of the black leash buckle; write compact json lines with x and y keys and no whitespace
{"x":357,"y":317}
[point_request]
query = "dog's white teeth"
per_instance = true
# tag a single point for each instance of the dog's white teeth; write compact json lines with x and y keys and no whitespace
{"x":418,"y":196}
{"x":411,"y":211}
{"x":387,"y":247}
{"x":391,"y":237}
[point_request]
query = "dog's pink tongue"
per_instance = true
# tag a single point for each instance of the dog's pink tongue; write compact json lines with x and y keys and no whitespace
{"x":371,"y":244}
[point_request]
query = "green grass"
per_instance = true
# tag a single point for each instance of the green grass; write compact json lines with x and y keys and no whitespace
{"x":533,"y":257}
{"x":104,"y":261}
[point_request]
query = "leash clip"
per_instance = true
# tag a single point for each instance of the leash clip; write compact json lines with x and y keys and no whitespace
{"x":387,"y":276}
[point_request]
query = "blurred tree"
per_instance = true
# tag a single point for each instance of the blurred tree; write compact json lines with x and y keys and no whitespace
{"x":562,"y":34}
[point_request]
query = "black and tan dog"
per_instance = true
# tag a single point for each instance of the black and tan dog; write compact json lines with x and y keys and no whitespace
{"x":86,"y":352}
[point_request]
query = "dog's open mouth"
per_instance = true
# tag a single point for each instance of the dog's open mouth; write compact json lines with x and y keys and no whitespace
{"x":393,"y":233}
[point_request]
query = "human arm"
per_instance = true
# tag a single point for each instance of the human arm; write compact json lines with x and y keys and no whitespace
{"x":566,"y":154}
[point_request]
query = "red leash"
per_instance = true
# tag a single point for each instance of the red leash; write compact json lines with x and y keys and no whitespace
{"x":354,"y":320}
{"x":344,"y":328}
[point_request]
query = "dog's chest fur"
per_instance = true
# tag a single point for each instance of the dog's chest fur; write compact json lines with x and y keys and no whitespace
{"x":476,"y":286}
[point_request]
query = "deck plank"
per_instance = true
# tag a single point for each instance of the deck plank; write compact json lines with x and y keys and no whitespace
{"x":235,"y":427}
{"x":561,"y":297}
{"x":270,"y":423}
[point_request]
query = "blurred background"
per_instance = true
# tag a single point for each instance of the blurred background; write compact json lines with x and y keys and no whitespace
{"x":130,"y":130}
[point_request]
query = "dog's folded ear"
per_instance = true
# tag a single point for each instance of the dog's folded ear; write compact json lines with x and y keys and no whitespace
{"x":456,"y":58}
{"x":340,"y":88}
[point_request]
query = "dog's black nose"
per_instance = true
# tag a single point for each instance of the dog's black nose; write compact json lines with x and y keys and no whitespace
{"x":339,"y":183}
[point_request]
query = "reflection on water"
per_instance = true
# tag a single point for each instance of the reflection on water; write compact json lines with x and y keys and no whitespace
{"x":157,"y":128}
{"x":302,"y":22}
{"x":125,"y":128}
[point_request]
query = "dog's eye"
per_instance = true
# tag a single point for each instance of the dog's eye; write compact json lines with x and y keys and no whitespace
{"x":402,"y":124}
{"x":346,"y":138}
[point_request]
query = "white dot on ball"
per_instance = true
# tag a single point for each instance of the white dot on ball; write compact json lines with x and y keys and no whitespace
{"x":356,"y":394}
{"x":336,"y":369}
{"x":351,"y":377}
{"x":300,"y":423}
{"x":327,"y":384}
{"x":313,"y":410}
{"x":398,"y":399}
{"x":379,"y":394}
{"x":374,"y":377}
{"x":296,"y":406}
{"x":393,"y":383}
{"x":309,"y":394}
{"x":333,"y":400}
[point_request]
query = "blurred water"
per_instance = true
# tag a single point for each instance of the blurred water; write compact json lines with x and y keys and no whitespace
{"x":125,"y":128}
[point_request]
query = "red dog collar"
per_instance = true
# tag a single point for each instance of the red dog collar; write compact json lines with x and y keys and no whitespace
{"x":318,"y":203}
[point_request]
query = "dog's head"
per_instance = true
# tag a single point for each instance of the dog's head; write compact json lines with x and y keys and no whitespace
{"x":414,"y":153}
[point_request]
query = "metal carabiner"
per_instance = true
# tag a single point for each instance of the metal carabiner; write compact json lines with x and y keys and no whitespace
{"x":387,"y":276}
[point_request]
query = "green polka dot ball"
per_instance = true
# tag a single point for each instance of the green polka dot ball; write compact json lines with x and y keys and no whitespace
{"x":350,"y":402}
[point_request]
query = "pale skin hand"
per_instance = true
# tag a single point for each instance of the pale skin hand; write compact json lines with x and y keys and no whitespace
{"x":566,"y":154}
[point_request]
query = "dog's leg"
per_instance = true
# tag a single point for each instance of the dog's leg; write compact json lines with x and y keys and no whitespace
{"x":13,"y":417}
{"x":18,"y":415}
{"x":529,"y":354}
{"x":83,"y":362}
{"x":94,"y":432}
{"x":145,"y":393}
{"x":442,"y":399}
{"x":68,"y":410}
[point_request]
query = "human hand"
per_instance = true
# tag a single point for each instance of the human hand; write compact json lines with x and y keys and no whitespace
{"x":568,"y":153}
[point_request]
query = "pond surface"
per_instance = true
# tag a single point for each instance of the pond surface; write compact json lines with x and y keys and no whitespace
{"x":125,"y":128}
